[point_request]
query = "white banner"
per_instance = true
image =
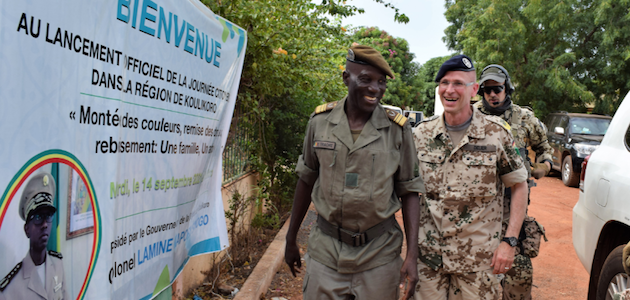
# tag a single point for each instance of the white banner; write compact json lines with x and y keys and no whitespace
{"x":127,"y":105}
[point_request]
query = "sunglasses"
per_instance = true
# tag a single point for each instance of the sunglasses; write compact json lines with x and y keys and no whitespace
{"x":38,"y":219}
{"x":496,"y":89}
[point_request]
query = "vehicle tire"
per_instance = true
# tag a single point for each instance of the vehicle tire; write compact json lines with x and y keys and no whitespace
{"x":569,"y":178}
{"x":613,"y":278}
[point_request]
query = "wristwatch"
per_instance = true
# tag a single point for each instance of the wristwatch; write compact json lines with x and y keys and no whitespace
{"x":512,"y":241}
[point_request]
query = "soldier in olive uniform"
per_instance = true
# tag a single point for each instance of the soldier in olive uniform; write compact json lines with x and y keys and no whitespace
{"x":40,"y":274}
{"x":496,"y":90}
{"x":358,"y":167}
{"x":466,"y":158}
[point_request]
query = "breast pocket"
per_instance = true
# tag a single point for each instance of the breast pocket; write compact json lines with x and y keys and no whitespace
{"x":479,"y":174}
{"x":430,"y":163}
{"x":327,"y":166}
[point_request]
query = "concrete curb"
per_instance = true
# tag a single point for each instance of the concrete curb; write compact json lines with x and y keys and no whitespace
{"x":259,"y":280}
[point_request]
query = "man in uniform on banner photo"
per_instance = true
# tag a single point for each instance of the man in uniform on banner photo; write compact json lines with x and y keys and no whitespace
{"x":40,"y":274}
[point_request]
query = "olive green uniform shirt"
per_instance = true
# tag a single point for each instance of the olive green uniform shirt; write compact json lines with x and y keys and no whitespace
{"x":461,"y":213}
{"x":357,"y":185}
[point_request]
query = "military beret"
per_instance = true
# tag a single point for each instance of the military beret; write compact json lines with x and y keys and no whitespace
{"x":39,"y":192}
{"x":456,"y":63}
{"x":366,"y":55}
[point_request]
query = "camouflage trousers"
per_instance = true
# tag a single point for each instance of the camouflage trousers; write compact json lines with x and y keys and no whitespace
{"x":517,"y":284}
{"x":440,"y":285}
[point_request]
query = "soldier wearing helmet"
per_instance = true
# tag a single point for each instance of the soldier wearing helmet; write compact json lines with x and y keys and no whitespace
{"x":496,"y":88}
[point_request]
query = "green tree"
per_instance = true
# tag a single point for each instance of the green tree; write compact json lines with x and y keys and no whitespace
{"x":341,"y":8}
{"x":426,"y":77}
{"x":292,"y":64}
{"x":561,"y":55}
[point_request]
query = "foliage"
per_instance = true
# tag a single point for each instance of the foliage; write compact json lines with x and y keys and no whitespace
{"x":294,"y":59}
{"x":292,"y":64}
{"x":426,"y":77}
{"x":561,"y":55}
{"x":270,"y":220}
{"x":404,"y":89}
{"x":341,"y":8}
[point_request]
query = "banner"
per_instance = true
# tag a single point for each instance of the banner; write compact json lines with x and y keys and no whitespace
{"x":114,"y":116}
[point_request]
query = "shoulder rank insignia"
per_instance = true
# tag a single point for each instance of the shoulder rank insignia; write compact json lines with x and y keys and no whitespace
{"x":500,"y":121}
{"x":55,"y":254}
{"x":325,"y":107}
{"x":396,"y":117}
{"x":7,"y":279}
{"x":506,"y":125}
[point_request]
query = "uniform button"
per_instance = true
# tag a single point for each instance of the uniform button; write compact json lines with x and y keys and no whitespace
{"x":490,"y":158}
{"x":439,"y":157}
{"x":448,"y":188}
{"x":467,"y":158}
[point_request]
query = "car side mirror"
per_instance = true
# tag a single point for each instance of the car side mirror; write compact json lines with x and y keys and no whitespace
{"x":558,"y":130}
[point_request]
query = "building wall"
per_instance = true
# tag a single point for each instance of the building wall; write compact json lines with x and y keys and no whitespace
{"x":193,"y":274}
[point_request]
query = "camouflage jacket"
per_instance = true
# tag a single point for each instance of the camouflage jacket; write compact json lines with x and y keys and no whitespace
{"x":528,"y":131}
{"x":461,"y":213}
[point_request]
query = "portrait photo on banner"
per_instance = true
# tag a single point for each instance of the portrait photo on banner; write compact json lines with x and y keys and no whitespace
{"x":48,"y":220}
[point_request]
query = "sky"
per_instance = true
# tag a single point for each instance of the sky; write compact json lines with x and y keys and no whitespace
{"x":424,"y":31}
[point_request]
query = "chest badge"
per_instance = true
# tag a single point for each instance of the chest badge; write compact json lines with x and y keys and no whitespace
{"x":480,"y":148}
{"x":57,"y":284}
{"x":324,"y":145}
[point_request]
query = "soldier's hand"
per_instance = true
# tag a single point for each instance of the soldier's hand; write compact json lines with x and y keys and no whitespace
{"x":292,"y":257}
{"x":409,"y":273}
{"x":540,"y":170}
{"x":502,"y":259}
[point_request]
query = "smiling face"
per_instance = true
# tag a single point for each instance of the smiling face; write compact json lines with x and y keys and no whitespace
{"x":494,"y":99}
{"x":456,"y":89}
{"x":366,"y":86}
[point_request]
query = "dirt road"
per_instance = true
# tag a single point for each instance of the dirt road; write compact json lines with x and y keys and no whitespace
{"x":558,"y":274}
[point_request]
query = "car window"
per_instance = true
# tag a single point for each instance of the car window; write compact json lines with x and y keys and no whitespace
{"x":589,"y":126}
{"x":551,"y":123}
{"x":564,"y":121}
{"x":627,"y":139}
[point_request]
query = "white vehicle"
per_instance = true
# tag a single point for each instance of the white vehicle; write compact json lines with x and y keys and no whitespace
{"x":394,"y":108}
{"x":438,"y":109}
{"x":601,"y":217}
{"x":415,"y":117}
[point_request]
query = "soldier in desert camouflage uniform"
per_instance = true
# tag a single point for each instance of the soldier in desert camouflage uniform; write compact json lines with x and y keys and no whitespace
{"x":466,"y":158}
{"x":496,"y":90}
